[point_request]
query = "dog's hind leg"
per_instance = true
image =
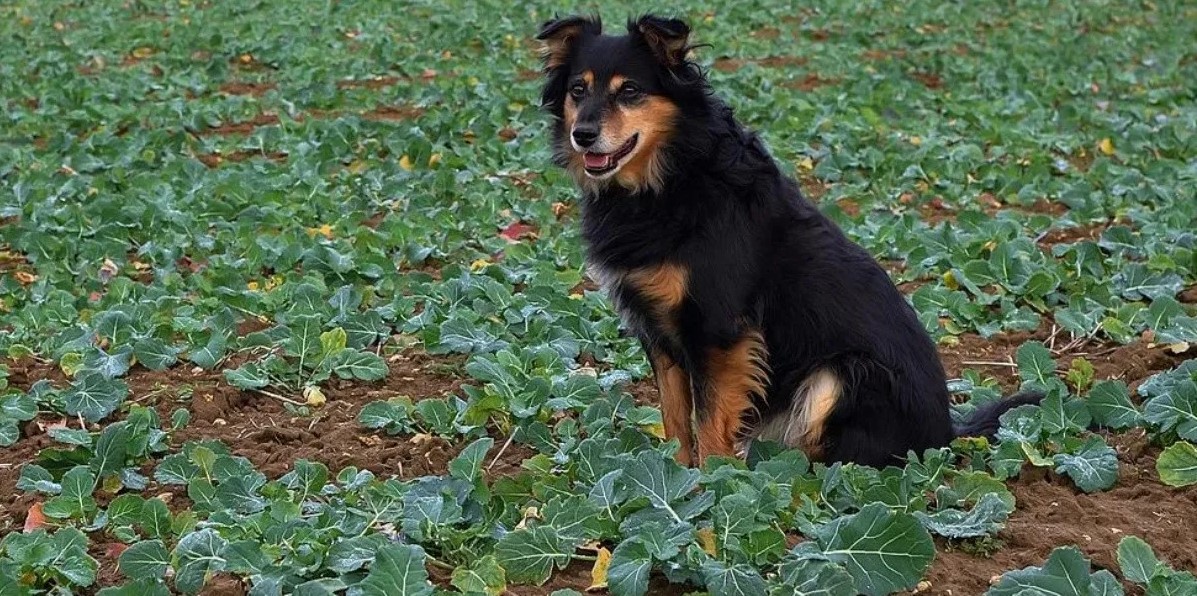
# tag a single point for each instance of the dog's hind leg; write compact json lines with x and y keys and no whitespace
{"x":676,"y":405}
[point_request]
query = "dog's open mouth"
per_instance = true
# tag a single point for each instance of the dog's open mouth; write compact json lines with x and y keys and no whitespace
{"x":598,"y":164}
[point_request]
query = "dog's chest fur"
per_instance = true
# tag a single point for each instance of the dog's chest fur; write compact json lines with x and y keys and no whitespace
{"x":646,"y":298}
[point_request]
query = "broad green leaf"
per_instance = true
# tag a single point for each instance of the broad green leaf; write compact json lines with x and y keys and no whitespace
{"x":1173,"y":584}
{"x":147,"y":559}
{"x":198,"y":554}
{"x":93,"y":396}
{"x":529,"y":555}
{"x":125,"y":510}
{"x":142,"y":587}
{"x":36,"y":478}
{"x":986,"y":518}
{"x":1035,"y":364}
{"x":1111,"y":407}
{"x":483,"y":576}
{"x":393,"y":415}
{"x":1062,"y":415}
{"x":332,"y":342}
{"x":1093,"y":467}
{"x":359,"y":365}
{"x":813,"y":577}
{"x":211,"y":353}
{"x":1137,"y":561}
{"x":250,"y":375}
{"x":71,"y":436}
{"x":629,"y":570}
{"x":397,"y":570}
{"x":575,"y":518}
{"x":76,"y":499}
{"x":884,"y":551}
{"x":307,"y":478}
{"x":364,"y":366}
{"x":662,"y":481}
{"x":1066,"y":573}
{"x":732,"y":580}
{"x":1177,"y":464}
{"x":353,"y":553}
{"x":154,"y":354}
{"x":110,"y":451}
{"x":111,"y":365}
{"x":1175,"y":410}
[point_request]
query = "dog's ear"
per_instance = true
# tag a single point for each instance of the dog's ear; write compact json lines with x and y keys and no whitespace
{"x":669,"y":39}
{"x":559,"y":35}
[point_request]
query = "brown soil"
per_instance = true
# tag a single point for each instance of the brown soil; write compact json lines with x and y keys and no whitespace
{"x":214,"y":160}
{"x":929,"y":80}
{"x":726,"y":64}
{"x":252,"y":89}
{"x":393,"y":113}
{"x":262,"y":429}
{"x":1189,"y":295}
{"x":1080,"y":233}
{"x":994,"y":357}
{"x":1052,"y":512}
{"x":811,"y":82}
{"x":242,"y":128}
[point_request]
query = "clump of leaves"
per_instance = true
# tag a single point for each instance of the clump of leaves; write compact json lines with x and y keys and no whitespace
{"x":1052,"y":434}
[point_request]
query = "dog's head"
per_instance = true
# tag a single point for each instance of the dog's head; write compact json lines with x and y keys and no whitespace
{"x":616,"y":100}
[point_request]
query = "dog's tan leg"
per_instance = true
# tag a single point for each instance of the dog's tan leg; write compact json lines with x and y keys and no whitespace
{"x":676,"y":405}
{"x":733,"y":376}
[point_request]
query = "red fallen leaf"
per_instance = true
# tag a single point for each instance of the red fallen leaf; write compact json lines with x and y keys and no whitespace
{"x":35,"y":518}
{"x":113,"y":550}
{"x":95,"y":296}
{"x":517,"y":231}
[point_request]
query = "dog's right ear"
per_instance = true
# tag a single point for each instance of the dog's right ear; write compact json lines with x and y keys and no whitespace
{"x":559,"y":35}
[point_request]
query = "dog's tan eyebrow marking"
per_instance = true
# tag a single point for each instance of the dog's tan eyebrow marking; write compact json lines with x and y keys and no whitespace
{"x":617,"y":81}
{"x":588,"y":76}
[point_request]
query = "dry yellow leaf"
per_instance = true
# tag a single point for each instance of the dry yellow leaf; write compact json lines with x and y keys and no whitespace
{"x":434,"y":159}
{"x":479,"y":265}
{"x":313,"y":396}
{"x":806,"y":164}
{"x":916,"y":140}
{"x":706,"y":539}
{"x":657,"y":430}
{"x":324,"y":230}
{"x":1106,"y":146}
{"x":949,"y":280}
{"x":598,"y":573}
{"x":143,"y":52}
{"x":252,"y":286}
{"x":405,"y":163}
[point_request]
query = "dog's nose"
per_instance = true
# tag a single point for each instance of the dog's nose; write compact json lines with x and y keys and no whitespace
{"x":585,"y":136}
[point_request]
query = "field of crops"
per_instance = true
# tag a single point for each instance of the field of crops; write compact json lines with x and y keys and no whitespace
{"x":292,"y":302}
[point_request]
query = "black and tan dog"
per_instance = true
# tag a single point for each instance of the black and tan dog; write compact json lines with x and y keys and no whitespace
{"x":760,"y":317}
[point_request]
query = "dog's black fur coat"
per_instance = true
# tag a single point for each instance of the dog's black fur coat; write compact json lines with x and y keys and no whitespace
{"x":760,"y":256}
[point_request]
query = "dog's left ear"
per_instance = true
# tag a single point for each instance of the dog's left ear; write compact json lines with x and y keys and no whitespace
{"x":668,"y":38}
{"x":558,"y":37}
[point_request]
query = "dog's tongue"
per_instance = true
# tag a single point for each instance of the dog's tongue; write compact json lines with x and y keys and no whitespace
{"x":597,"y":161}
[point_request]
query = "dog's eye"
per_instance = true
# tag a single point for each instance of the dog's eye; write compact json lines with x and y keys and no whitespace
{"x":630,"y":91}
{"x":577,"y":90}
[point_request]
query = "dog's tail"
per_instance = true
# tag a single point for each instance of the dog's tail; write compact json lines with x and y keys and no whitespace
{"x":985,"y":420}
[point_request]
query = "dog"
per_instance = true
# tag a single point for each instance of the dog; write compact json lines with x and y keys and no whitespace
{"x":761,"y":319}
